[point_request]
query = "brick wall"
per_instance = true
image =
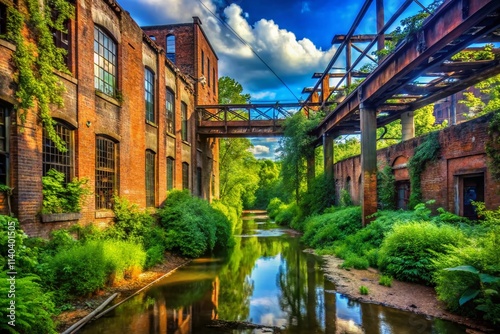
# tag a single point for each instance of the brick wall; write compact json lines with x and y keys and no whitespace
{"x":91,"y":113}
{"x":462,"y":155}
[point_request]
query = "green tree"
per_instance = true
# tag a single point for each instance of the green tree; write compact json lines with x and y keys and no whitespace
{"x":269,"y":183}
{"x":231,"y":92}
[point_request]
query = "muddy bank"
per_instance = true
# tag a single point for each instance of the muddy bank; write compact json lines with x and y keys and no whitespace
{"x":401,"y":295}
{"x":83,"y":306}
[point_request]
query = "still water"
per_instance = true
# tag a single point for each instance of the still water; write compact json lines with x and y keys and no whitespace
{"x":267,"y":279}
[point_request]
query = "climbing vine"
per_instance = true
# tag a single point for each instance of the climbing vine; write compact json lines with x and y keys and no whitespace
{"x":493,"y":146}
{"x":386,"y":188}
{"x":36,"y":57}
{"x":426,"y":152}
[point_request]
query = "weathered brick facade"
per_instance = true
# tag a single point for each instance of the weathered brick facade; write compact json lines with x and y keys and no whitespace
{"x":461,"y":165}
{"x":117,"y":118}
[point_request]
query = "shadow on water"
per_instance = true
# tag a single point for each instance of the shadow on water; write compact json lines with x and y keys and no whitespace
{"x":267,"y":279}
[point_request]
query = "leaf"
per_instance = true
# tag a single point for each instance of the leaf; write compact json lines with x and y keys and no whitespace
{"x":485,"y":278}
{"x":468,"y":295}
{"x":469,"y":269}
{"x":489,"y":292}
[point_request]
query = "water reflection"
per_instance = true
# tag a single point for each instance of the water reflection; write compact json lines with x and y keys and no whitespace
{"x":267,"y":279}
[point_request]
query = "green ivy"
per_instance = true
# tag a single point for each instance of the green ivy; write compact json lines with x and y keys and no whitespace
{"x":426,"y":152}
{"x":386,"y":188}
{"x":493,"y":146}
{"x":36,"y":58}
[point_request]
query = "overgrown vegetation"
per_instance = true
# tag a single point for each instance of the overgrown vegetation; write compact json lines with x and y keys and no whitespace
{"x":426,"y":152}
{"x":59,"y":196}
{"x":36,"y":57}
{"x":493,"y":146}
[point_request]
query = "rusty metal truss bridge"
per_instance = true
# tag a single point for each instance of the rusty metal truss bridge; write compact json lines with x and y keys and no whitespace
{"x":419,"y":71}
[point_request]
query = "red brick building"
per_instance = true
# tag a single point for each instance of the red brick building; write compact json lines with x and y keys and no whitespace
{"x":460,"y":168}
{"x":128,"y":119}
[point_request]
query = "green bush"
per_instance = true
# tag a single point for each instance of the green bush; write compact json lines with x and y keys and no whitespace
{"x":354,"y":261}
{"x":363,"y":290}
{"x":154,"y":255}
{"x":321,"y":231}
{"x":453,"y":286}
{"x":275,"y":207}
{"x":85,"y":268}
{"x":59,"y":196}
{"x":287,"y":214}
{"x":33,"y":306}
{"x":319,"y":195}
{"x":385,"y":280}
{"x":131,"y":223}
{"x":192,"y":226}
{"x":407,"y":252}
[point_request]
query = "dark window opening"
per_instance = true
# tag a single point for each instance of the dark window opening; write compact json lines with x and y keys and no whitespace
{"x":149,"y":90}
{"x":170,"y":106}
{"x":106,"y":178}
{"x":55,"y":159}
{"x":473,"y":190}
{"x":3,"y":19}
{"x":185,"y":175}
{"x":202,"y":62}
{"x":61,"y":38}
{"x":4,"y":145}
{"x":184,"y":121}
{"x":199,"y":180}
{"x":208,"y":71}
{"x":150,"y":178}
{"x":170,"y":173}
{"x":403,"y":194}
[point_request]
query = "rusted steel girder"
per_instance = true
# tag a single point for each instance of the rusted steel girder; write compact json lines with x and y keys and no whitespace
{"x":452,"y":28}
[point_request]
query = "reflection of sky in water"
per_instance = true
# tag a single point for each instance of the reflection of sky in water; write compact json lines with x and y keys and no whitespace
{"x":348,"y":309}
{"x":264,"y":303}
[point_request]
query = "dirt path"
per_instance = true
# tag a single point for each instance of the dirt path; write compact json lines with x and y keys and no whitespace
{"x":401,"y":295}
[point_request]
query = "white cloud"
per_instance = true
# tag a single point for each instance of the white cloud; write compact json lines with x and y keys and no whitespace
{"x":259,"y":149}
{"x":293,"y":60}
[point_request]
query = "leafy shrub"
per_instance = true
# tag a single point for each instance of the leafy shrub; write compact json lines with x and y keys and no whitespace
{"x":385,"y":280}
{"x":59,"y":196}
{"x":85,"y":268}
{"x":354,"y":261}
{"x":471,"y":291}
{"x":287,"y":214}
{"x":363,"y":290}
{"x":319,"y":195}
{"x":192,"y":226}
{"x":131,"y":223}
{"x":275,"y":207}
{"x":33,"y":306}
{"x":322,"y":231}
{"x":407,"y":252}
{"x":154,"y":255}
{"x":60,"y":239}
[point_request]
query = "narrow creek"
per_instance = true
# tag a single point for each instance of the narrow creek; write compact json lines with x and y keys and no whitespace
{"x":267,"y":279}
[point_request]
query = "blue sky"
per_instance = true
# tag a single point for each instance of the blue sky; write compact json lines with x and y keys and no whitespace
{"x":293,"y":37}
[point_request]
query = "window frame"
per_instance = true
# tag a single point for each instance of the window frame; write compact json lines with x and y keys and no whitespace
{"x":149,"y":95}
{"x":170,"y":173}
{"x":170,"y":120}
{"x":52,"y":158}
{"x":3,"y":18}
{"x":100,"y":82}
{"x":106,"y":174}
{"x":170,"y":41}
{"x":185,"y":175}
{"x":150,"y":174}
{"x":5,"y":148}
{"x":184,"y":122}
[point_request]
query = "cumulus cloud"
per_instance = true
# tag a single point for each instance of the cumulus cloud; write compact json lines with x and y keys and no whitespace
{"x":259,"y":149}
{"x":292,"y":59}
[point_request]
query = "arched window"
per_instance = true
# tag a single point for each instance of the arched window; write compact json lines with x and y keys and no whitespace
{"x":171,"y":48}
{"x":149,"y":90}
{"x":105,"y":64}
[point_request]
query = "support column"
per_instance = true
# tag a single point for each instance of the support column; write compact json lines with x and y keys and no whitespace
{"x":328,"y":155}
{"x":408,"y":125}
{"x":311,"y":169}
{"x":368,"y":122}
